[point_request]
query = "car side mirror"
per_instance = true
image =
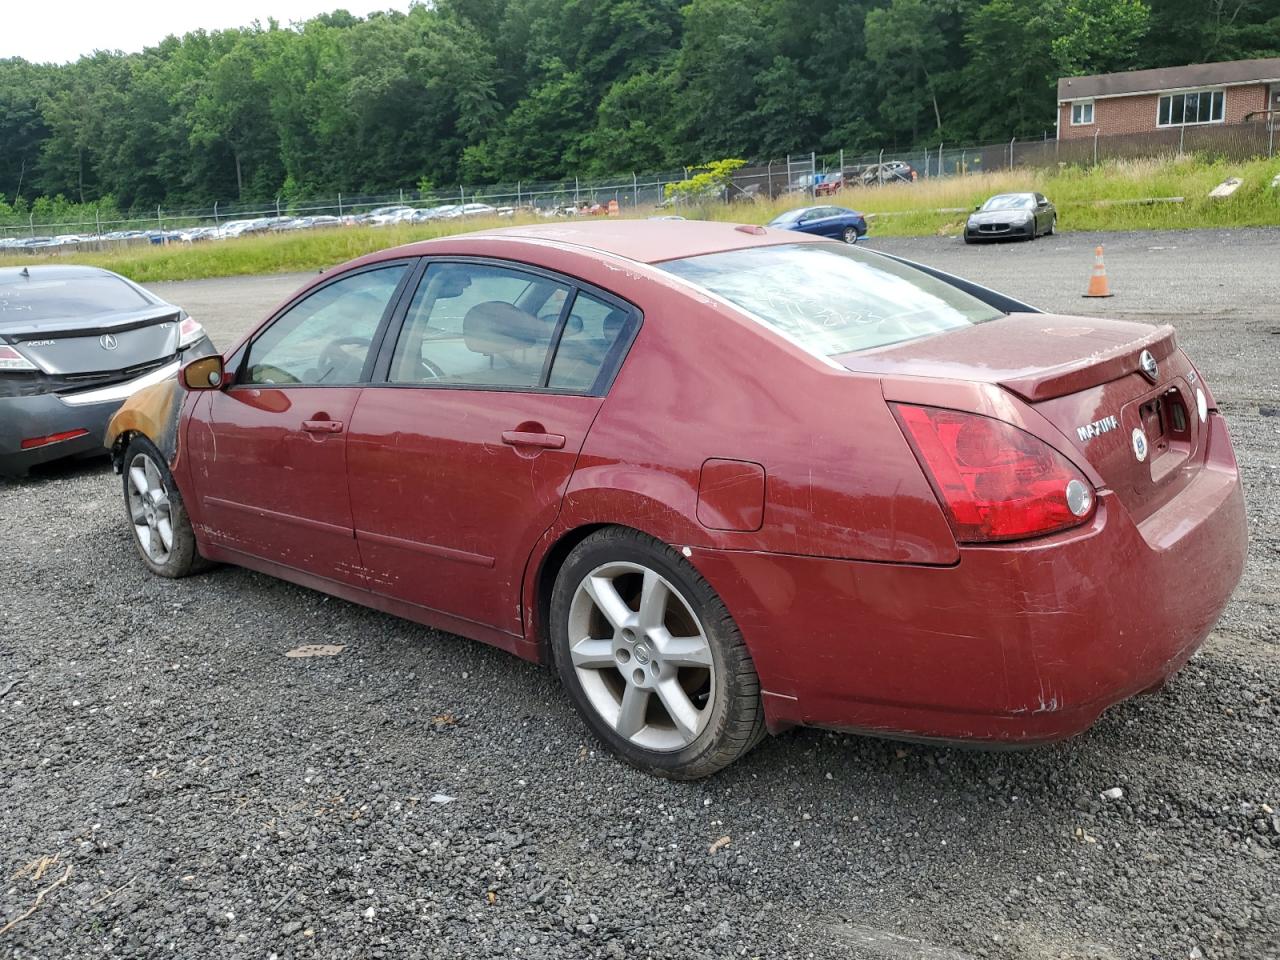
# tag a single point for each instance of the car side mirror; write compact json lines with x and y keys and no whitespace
{"x":204,"y":374}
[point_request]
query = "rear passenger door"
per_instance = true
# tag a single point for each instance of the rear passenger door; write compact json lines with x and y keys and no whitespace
{"x":830,"y":222}
{"x":460,"y":450}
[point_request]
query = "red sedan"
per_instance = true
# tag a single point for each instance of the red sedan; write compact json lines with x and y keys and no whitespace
{"x":725,"y":479}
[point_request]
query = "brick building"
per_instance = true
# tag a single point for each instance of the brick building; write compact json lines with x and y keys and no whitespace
{"x":1142,"y":101}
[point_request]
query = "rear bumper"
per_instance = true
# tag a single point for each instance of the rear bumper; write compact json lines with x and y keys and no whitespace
{"x":50,"y":413}
{"x":1015,"y":644}
{"x":23,"y":417}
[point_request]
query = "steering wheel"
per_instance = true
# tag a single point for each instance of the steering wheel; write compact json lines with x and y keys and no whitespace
{"x":334,"y":358}
{"x":429,"y":370}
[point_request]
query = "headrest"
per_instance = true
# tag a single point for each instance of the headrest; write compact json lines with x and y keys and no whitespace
{"x":495,"y":327}
{"x":613,"y":323}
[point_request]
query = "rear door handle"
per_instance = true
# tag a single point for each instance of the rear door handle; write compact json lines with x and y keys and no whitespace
{"x":518,"y":438}
{"x":322,"y":426}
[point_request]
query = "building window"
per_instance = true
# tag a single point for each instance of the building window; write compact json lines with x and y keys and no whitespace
{"x":1181,"y":109}
{"x":1082,"y":113}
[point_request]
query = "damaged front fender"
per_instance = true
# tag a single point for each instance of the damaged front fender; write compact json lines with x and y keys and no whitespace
{"x":154,"y":412}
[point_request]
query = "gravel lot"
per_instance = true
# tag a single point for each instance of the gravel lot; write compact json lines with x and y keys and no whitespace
{"x":177,"y":787}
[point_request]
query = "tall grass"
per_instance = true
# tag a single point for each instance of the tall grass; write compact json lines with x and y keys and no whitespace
{"x":1107,"y":197}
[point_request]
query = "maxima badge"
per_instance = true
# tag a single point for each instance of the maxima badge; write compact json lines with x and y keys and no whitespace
{"x":1097,"y":428}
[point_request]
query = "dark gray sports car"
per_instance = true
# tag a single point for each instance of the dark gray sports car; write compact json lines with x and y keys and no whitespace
{"x":1012,"y":216}
{"x":74,"y":343}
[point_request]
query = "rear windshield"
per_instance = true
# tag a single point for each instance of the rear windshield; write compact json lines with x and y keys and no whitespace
{"x":831,"y":298}
{"x":66,"y":298}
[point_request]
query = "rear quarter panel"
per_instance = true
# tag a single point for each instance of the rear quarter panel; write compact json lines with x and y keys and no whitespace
{"x":702,"y":382}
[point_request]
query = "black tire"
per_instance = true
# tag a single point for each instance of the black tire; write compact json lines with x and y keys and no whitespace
{"x":1053,"y":228}
{"x":735,"y":722}
{"x":969,"y":239}
{"x":850,"y":235}
{"x":182,"y":558}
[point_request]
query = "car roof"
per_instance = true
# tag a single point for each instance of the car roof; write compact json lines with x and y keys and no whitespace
{"x":645,"y":241}
{"x":51,"y":272}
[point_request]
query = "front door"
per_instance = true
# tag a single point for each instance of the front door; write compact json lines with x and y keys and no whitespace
{"x":270,"y":468}
{"x":459,"y":461}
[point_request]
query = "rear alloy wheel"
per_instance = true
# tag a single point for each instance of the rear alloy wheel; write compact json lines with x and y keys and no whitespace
{"x":161,"y":531}
{"x":651,"y":657}
{"x":850,"y":235}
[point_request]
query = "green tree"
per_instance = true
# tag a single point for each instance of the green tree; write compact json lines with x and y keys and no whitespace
{"x":907,"y":43}
{"x":1099,"y":36}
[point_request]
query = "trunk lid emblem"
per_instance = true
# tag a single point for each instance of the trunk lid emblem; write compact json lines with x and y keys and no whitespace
{"x":1147,"y":364}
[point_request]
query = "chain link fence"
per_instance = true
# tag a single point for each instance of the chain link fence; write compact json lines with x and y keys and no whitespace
{"x":811,"y":175}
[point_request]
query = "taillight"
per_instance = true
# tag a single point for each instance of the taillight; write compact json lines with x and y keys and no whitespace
{"x":11,"y":359}
{"x":189,"y":331}
{"x":994,"y":481}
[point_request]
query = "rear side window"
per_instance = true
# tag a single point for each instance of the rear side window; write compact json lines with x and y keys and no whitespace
{"x":475,"y":325}
{"x":832,"y":299}
{"x":591,"y":347}
{"x":67,"y":298}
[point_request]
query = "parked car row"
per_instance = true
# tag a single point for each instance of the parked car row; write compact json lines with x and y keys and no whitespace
{"x":827,"y":184}
{"x":379,"y":217}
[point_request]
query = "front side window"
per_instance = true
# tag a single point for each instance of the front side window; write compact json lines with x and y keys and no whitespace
{"x":324,"y":339}
{"x":1081,"y":113}
{"x":831,"y":298}
{"x":476,"y":325}
{"x":1185,"y":109}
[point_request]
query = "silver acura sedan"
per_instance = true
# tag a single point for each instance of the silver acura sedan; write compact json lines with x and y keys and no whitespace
{"x":75,"y":342}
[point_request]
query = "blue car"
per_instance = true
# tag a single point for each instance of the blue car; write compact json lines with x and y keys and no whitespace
{"x":838,"y":223}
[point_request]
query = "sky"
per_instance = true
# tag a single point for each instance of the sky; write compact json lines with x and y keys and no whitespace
{"x":56,"y":31}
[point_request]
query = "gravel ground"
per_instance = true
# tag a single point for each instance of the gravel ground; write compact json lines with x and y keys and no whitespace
{"x":174,"y":786}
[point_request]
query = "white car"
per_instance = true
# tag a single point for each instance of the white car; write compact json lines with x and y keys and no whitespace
{"x":385,"y":216}
{"x":233,"y":228}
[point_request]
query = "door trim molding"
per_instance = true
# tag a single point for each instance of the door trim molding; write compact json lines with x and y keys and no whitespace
{"x":417,"y":546}
{"x":263,"y":512}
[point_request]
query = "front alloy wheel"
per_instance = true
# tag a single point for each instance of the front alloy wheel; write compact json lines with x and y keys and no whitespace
{"x":157,"y":516}
{"x":651,"y":658}
{"x":149,"y":508}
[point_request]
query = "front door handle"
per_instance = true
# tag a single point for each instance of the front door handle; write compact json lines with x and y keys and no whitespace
{"x":322,"y":426}
{"x":519,"y":438}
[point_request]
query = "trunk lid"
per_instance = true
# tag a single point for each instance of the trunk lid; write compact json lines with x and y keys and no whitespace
{"x":103,"y":343}
{"x":1082,"y":375}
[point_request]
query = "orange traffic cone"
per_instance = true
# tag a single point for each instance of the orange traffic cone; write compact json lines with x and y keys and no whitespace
{"x":1098,"y":285}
